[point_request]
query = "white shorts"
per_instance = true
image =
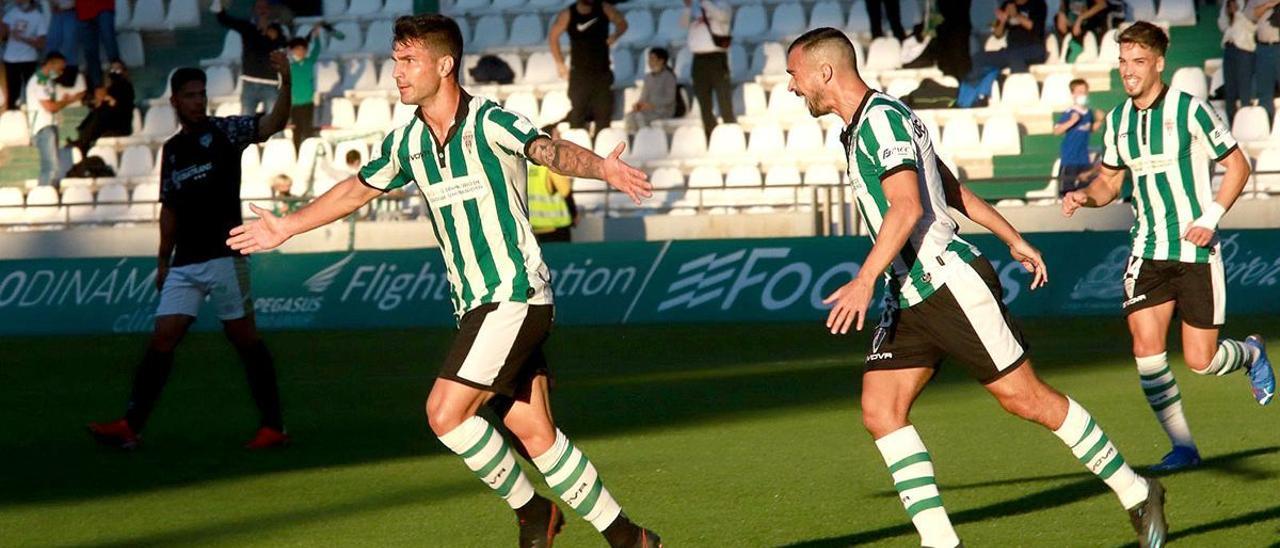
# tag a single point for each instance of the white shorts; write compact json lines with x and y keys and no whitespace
{"x":223,"y":281}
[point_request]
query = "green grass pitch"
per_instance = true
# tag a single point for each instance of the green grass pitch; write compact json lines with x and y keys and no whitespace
{"x":714,"y":435}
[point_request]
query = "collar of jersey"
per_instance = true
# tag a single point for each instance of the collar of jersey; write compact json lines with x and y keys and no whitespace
{"x":846,"y":136}
{"x":464,"y":106}
{"x":1159,"y":99}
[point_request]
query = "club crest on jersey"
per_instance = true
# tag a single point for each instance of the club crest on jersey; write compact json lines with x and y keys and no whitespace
{"x":918,"y":128}
{"x":206,"y":140}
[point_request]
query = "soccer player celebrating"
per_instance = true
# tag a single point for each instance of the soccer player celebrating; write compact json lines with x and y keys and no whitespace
{"x":943,"y":298}
{"x":200,"y":201}
{"x":467,"y":156}
{"x":1167,"y":138}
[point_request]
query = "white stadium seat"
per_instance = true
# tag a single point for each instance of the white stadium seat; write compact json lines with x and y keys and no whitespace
{"x":822,"y":174}
{"x":783,"y":104}
{"x":1251,"y":125}
{"x":522,"y":102}
{"x":884,"y":53}
{"x":555,"y":107}
{"x":640,"y":28}
{"x":374,"y":115}
{"x":705,"y":177}
{"x":232,"y":47}
{"x":250,"y":161}
{"x":182,"y":14}
{"x":1056,"y":94}
{"x":667,"y":177}
{"x":159,"y":122}
{"x":669,"y":30}
{"x":219,"y":81}
{"x":135,"y":162}
{"x":788,"y":21}
{"x":859,"y":22}
{"x":11,"y":202}
{"x":753,"y":99}
{"x":1177,"y":12}
{"x":360,"y":8}
{"x":124,"y":14}
{"x":743,"y":176}
{"x":1000,"y":135}
{"x":491,"y":32}
{"x":688,"y":142}
{"x":540,"y":69}
{"x":278,"y":157}
{"x":650,"y":144}
{"x":770,"y":59}
{"x":1269,"y":161}
{"x":14,"y":130}
{"x":1020,"y":91}
{"x":379,"y":37}
{"x":766,"y":140}
{"x":1190,"y":80}
{"x":750,"y":20}
{"x":351,"y":41}
{"x":607,"y":139}
{"x":782,"y":174}
{"x":826,"y":14}
{"x":526,"y":30}
{"x":78,"y":203}
{"x":960,"y":134}
{"x":342,"y":113}
{"x":148,"y":15}
{"x":805,"y":138}
{"x":727,"y":141}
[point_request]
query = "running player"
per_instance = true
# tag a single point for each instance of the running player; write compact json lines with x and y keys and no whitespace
{"x":467,"y":155}
{"x":1168,"y":140}
{"x":200,"y":201}
{"x":943,"y":298}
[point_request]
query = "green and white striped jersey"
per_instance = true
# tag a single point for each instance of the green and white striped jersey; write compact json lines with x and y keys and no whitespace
{"x":1169,"y":149}
{"x":884,"y":138}
{"x":474,"y":184}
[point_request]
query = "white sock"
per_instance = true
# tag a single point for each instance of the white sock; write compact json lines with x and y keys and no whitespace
{"x":574,"y":478}
{"x":912,"y":470}
{"x":1094,"y":449}
{"x":1231,"y":356}
{"x":1164,"y":398}
{"x":487,"y":454}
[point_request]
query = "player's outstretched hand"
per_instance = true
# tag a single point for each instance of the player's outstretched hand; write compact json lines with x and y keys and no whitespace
{"x":1198,"y":235}
{"x":851,"y":302}
{"x":626,"y":179}
{"x":265,"y":233}
{"x":1072,"y":201}
{"x":1031,"y":260}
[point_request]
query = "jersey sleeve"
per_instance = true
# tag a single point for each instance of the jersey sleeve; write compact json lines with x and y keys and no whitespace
{"x":242,"y":131}
{"x":1214,"y":134}
{"x":385,"y":172}
{"x":886,"y":136}
{"x":511,"y":132}
{"x":1110,"y":144}
{"x":166,"y":176}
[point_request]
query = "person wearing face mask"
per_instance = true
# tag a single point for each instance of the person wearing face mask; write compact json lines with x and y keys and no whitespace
{"x":112,"y":113}
{"x":43,"y":114}
{"x":303,"y":53}
{"x":1076,"y":125}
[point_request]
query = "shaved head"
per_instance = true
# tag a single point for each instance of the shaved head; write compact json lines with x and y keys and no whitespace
{"x":826,"y":45}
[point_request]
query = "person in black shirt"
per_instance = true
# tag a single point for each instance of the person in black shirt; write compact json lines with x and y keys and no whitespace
{"x":590,"y":78}
{"x":200,"y":198}
{"x":260,"y":38}
{"x":112,"y":113}
{"x":1021,"y":24}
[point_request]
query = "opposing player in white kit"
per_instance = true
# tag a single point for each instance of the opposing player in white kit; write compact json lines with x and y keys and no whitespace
{"x":467,"y":155}
{"x":942,"y":297}
{"x":1168,"y":139}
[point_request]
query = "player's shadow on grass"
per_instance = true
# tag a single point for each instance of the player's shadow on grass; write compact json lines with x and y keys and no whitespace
{"x":1086,"y":487}
{"x":1221,"y":465}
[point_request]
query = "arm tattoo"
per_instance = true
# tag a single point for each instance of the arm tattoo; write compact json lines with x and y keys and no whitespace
{"x":566,"y":158}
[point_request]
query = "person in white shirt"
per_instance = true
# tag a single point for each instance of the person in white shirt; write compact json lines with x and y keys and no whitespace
{"x":708,"y":23}
{"x":1238,"y":46}
{"x":43,"y":108}
{"x":1266,"y":59}
{"x":24,"y":27}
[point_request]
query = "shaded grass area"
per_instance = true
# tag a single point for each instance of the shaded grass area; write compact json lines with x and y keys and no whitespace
{"x":716,"y":435}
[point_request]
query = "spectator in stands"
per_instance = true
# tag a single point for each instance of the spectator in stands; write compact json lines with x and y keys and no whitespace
{"x":1020,"y":23}
{"x":1266,"y":59}
{"x":63,"y":37}
{"x":949,"y":48}
{"x":1075,"y":18}
{"x":24,"y":26}
{"x":708,"y":22}
{"x":258,"y":81}
{"x":590,"y":78}
{"x":43,"y":108}
{"x":303,"y":53}
{"x":284,"y":202}
{"x":97,"y":27}
{"x":893,"y":10}
{"x":552,"y":213}
{"x":658,"y":94}
{"x":1239,"y":43}
{"x":1076,"y":125}
{"x":112,"y":110}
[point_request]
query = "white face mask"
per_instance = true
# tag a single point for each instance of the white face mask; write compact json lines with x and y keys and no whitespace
{"x":1082,"y":100}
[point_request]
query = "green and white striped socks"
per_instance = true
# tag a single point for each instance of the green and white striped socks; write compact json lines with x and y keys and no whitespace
{"x":575,"y":480}
{"x":1164,"y":398}
{"x":1231,"y":356}
{"x":912,"y":470}
{"x":1094,"y":449}
{"x":487,"y":454}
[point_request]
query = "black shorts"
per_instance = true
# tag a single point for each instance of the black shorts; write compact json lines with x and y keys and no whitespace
{"x":498,"y":347}
{"x":964,"y":319}
{"x":1199,"y":289}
